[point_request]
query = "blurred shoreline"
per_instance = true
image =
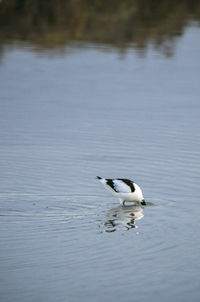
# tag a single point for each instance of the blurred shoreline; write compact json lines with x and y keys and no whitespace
{"x":50,"y":25}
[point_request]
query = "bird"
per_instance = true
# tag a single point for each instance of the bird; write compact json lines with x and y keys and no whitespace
{"x":124,"y":189}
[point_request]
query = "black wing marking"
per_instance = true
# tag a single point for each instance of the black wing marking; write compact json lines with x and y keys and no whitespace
{"x":111,"y":184}
{"x":128,"y":183}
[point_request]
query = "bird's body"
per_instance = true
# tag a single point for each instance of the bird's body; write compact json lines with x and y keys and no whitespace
{"x":124,"y":189}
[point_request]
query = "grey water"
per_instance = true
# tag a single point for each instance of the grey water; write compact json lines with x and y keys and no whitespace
{"x":90,"y":110}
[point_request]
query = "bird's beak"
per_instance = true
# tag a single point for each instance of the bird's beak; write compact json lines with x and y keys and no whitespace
{"x":143,"y":202}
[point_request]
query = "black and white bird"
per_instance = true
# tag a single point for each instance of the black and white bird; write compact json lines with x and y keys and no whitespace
{"x":124,"y":189}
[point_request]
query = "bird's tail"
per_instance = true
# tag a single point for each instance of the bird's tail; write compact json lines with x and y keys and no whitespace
{"x":98,"y":177}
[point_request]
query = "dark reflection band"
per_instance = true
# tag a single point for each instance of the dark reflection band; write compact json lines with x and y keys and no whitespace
{"x":119,"y":24}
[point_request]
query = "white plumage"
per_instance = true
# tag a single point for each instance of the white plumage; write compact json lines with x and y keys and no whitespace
{"x":124,"y":189}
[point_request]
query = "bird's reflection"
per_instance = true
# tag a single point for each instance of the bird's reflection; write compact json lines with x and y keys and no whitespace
{"x":125,"y":216}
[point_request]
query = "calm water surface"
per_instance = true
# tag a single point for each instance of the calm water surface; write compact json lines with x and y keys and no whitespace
{"x":90,"y":111}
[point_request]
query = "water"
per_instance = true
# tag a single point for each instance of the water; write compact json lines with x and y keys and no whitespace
{"x":91,"y":111}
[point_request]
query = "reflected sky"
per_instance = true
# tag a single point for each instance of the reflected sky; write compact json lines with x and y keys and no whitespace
{"x":86,"y":112}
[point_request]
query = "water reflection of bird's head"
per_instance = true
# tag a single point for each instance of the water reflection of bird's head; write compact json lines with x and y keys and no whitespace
{"x":123,"y":216}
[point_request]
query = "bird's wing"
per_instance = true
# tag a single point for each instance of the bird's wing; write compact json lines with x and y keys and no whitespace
{"x":123,"y":185}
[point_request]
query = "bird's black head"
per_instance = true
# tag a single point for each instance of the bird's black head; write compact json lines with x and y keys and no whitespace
{"x":143,"y":202}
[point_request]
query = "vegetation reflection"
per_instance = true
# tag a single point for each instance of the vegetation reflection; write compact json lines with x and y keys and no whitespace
{"x":120,"y":24}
